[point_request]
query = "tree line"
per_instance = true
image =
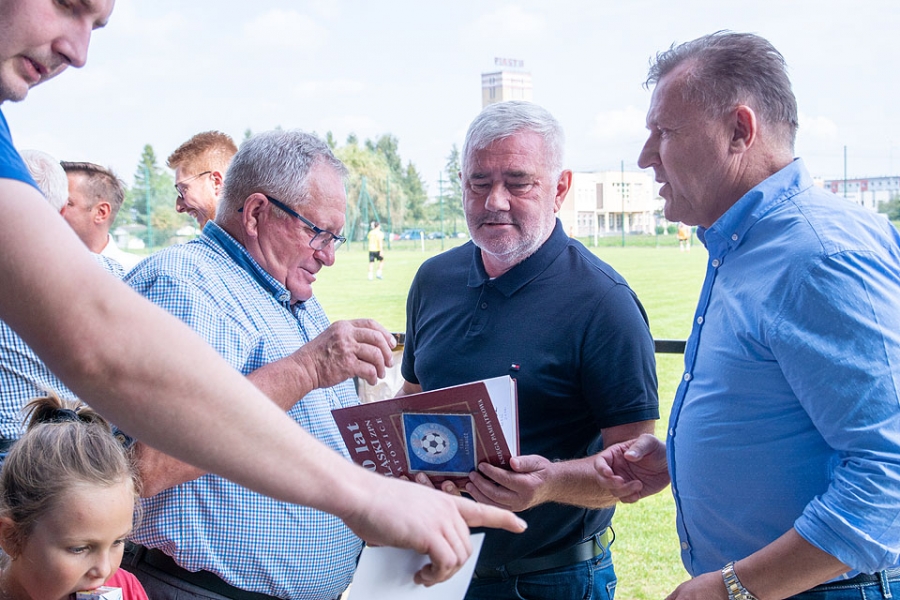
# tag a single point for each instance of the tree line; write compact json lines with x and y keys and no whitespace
{"x":381,"y":186}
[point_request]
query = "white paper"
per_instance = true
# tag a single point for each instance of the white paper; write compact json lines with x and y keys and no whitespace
{"x":387,"y":573}
{"x":502,"y":391}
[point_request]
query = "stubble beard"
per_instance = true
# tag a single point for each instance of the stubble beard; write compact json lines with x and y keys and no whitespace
{"x":512,"y":251}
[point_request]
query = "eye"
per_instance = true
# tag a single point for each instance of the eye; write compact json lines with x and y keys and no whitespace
{"x":519,"y":188}
{"x":479,"y":187}
{"x":78,"y":549}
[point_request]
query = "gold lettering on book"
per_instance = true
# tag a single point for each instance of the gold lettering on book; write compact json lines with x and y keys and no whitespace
{"x":490,"y":427}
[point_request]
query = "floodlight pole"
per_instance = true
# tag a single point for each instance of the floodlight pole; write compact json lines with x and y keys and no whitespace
{"x":622,"y":191}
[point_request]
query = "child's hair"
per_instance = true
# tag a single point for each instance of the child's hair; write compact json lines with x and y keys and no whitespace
{"x":66,"y":443}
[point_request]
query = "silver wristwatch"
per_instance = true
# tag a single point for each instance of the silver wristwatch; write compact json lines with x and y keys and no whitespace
{"x":736,"y":590}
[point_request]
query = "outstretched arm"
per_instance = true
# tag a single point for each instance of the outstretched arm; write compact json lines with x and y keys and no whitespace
{"x":346,"y":349}
{"x":535,"y":480}
{"x":151,"y":375}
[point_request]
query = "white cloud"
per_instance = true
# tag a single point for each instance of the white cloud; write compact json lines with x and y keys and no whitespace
{"x":286,"y":29}
{"x":129,"y":19}
{"x":617,"y":124}
{"x":334,"y":87}
{"x":363,"y":126}
{"x":819,"y":128}
{"x":509,"y":23}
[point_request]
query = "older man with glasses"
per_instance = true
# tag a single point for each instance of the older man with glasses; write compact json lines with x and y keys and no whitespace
{"x":245,"y":285}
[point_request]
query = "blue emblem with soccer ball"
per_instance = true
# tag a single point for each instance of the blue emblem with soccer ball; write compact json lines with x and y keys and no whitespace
{"x":440,"y":443}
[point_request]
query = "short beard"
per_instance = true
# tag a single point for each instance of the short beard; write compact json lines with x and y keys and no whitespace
{"x":512,"y":254}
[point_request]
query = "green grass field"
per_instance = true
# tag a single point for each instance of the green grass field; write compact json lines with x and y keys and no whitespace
{"x":667,"y":282}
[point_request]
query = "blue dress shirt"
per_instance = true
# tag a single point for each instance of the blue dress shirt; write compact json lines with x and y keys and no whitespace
{"x":788,"y":412}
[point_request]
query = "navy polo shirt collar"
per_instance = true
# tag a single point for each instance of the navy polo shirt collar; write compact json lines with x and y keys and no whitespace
{"x":519,"y":276}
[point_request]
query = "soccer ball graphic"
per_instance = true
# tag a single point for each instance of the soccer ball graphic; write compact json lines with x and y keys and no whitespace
{"x":434,"y":444}
{"x":431,"y":443}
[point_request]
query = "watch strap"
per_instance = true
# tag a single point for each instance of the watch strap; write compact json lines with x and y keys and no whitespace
{"x":736,"y":590}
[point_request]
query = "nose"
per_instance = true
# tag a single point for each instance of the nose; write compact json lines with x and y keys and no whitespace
{"x":498,"y":198}
{"x":73,"y":46}
{"x":326,"y":255}
{"x":103,"y":568}
{"x":179,"y":205}
{"x":649,"y":155}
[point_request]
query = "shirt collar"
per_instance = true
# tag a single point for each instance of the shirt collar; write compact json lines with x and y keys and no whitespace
{"x":218,"y":236}
{"x":729,"y":230}
{"x":517,"y":277}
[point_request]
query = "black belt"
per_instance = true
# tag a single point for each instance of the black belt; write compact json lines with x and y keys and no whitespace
{"x":586,"y":550}
{"x":862,"y":578}
{"x":135,"y":554}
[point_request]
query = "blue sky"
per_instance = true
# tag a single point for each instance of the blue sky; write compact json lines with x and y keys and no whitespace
{"x":163,"y":70}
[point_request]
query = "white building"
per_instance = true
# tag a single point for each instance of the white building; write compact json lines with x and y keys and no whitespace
{"x":599,"y":203}
{"x":511,"y":82}
{"x":869,"y":192}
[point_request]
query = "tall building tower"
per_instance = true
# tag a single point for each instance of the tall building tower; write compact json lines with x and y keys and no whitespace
{"x":511,"y":82}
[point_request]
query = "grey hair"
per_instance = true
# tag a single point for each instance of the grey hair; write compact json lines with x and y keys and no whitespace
{"x":276,"y":163}
{"x":726,"y":69}
{"x":49,"y":175}
{"x":505,"y":119}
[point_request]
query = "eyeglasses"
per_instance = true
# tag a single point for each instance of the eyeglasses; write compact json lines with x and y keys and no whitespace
{"x":322,"y":238}
{"x":181,"y":186}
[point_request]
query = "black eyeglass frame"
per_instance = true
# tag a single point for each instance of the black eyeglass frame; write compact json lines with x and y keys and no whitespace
{"x":327,"y":236}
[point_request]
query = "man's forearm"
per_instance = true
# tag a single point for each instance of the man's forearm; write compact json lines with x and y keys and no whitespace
{"x":142,"y":368}
{"x":575,"y":482}
{"x":281,"y":381}
{"x":786,"y":567}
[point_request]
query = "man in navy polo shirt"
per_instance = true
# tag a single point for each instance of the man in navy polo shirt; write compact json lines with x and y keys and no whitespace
{"x":524,"y":299}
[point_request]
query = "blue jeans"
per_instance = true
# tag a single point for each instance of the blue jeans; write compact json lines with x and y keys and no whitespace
{"x":593,"y":579}
{"x":888,"y":587}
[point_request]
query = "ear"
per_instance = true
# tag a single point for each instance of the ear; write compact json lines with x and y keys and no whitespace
{"x":218,"y":180}
{"x":8,"y":537}
{"x":253,"y":212}
{"x":563,"y":185}
{"x":745,"y":127}
{"x":103,"y":211}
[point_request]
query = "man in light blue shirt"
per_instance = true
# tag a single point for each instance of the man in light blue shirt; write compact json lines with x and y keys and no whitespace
{"x":784,"y":439}
{"x":245,"y":287}
{"x":24,"y":376}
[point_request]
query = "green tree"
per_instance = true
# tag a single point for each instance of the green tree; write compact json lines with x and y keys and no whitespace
{"x":362,"y":162}
{"x":329,"y":139}
{"x":891,"y":208}
{"x":452,"y":194}
{"x":416,"y":195}
{"x":153,"y":191}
